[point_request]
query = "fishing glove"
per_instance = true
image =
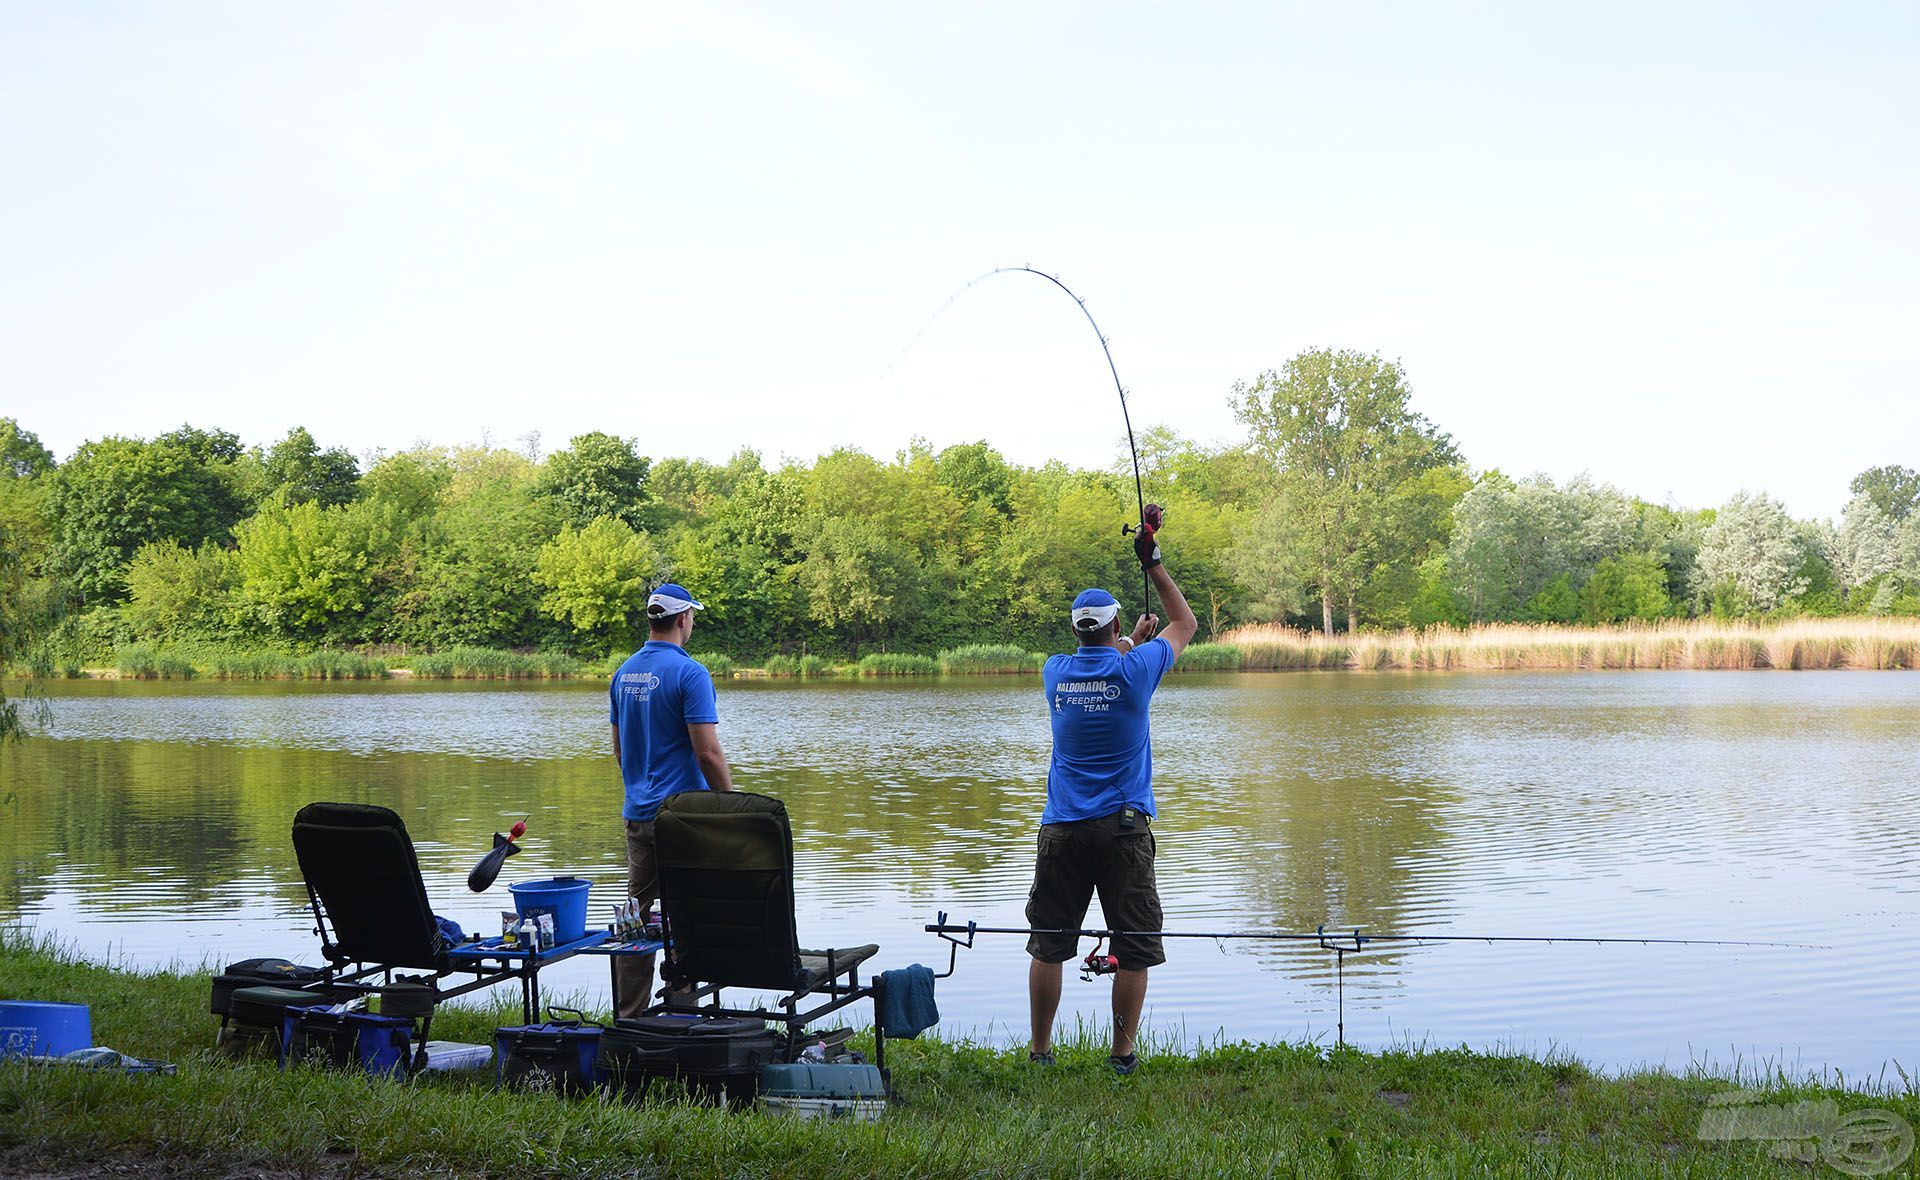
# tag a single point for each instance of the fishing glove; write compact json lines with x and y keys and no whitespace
{"x":1144,"y":546}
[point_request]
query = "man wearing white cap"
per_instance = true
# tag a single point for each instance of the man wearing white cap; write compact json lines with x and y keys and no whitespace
{"x":665,"y":739}
{"x":1096,"y":833}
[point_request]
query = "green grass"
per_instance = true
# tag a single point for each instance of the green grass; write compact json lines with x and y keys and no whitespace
{"x":967,"y":1110}
{"x":987,"y":659}
{"x":1209,"y":657}
{"x":492,"y":663}
{"x":894,"y":663}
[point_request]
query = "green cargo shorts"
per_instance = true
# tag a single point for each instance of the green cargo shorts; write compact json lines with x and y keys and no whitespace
{"x":1079,"y":859}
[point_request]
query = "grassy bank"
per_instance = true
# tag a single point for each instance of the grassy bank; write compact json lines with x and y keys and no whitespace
{"x":1871,"y":643}
{"x":967,"y":1110}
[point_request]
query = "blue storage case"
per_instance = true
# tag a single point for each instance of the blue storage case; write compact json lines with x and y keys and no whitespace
{"x":559,"y":1057}
{"x":381,"y":1045}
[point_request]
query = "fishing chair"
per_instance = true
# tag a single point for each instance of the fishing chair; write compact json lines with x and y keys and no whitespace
{"x":371,"y":912}
{"x":726,"y":894}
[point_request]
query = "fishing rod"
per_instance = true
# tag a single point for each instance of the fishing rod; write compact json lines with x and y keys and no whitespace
{"x":1341,"y":942}
{"x":1358,"y":937}
{"x":1126,"y":417}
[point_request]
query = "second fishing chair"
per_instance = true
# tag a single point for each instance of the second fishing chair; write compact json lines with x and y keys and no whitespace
{"x":726,"y":891}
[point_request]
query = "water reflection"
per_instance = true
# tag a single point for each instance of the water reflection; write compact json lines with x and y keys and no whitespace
{"x":153,"y":820}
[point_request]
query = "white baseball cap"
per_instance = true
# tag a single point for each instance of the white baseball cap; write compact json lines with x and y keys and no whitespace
{"x":669,"y":600}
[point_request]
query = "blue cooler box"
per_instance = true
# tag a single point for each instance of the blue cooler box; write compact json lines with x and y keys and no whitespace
{"x":38,"y":1028}
{"x":381,"y":1045}
{"x":556,"y":1057}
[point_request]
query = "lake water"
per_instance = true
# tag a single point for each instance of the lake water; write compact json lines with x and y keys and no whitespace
{"x":149,"y":825}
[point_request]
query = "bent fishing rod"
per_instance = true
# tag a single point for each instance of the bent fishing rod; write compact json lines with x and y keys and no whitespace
{"x":1126,"y":417}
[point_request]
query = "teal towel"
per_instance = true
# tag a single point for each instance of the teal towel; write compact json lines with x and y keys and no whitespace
{"x":906,"y":1002}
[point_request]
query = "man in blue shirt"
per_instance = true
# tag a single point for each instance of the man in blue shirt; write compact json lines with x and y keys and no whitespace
{"x":665,"y":741}
{"x":1096,"y":833}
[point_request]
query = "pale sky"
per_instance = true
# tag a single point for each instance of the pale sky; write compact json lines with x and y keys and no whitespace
{"x":1672,"y":245}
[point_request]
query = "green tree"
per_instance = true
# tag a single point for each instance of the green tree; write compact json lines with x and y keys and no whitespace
{"x":859,"y":582}
{"x":178,"y":593}
{"x":596,"y":579}
{"x":415,"y":482}
{"x":21,"y":455}
{"x":117,"y":494}
{"x":1626,"y":586}
{"x":1339,"y":431}
{"x":307,"y":474}
{"x":977,"y":475}
{"x":598,"y":475}
{"x":1894,"y":490}
{"x":24,"y":622}
{"x":1554,"y":603}
{"x":305,"y":573}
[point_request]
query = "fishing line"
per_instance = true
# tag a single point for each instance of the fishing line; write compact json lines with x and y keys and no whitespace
{"x":1126,"y":416}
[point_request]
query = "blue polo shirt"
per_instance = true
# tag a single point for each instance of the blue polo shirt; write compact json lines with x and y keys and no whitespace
{"x":655,"y":695}
{"x":1102,"y":755}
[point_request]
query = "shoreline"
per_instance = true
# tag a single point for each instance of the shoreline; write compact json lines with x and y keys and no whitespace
{"x":966,"y":1110}
{"x":1860,"y":643}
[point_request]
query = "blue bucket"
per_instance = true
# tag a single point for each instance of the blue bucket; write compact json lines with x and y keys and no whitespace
{"x":40,"y":1029}
{"x":563,"y":897}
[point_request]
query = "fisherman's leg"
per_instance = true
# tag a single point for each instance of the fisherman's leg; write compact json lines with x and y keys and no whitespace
{"x":1129,"y":996}
{"x":1062,"y":890}
{"x":1043,"y":1002}
{"x":1130,"y":900}
{"x":633,"y":974}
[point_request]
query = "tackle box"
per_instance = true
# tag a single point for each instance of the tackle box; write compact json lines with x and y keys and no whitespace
{"x":716,"y":1057}
{"x":381,"y":1045}
{"x":254,"y":1021}
{"x":557,"y":1056}
{"x":255,"y":973}
{"x":840,"y":1090}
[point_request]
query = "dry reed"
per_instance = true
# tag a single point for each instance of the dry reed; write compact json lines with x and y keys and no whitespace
{"x":1878,"y":643}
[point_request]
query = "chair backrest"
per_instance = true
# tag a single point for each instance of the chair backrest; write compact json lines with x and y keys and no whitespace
{"x":359,"y":862}
{"x":726,"y":886}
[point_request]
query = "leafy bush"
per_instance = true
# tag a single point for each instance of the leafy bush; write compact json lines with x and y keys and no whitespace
{"x":811,"y":668}
{"x":718,"y":666}
{"x":782,"y":667}
{"x":891,"y":663}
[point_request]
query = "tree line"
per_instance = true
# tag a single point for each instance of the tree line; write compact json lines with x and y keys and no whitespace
{"x":1341,"y":508}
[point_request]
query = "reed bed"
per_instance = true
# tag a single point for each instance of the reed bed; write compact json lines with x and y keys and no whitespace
{"x":492,"y":663}
{"x":989,"y":659}
{"x":1210,"y":657}
{"x":138,"y":661}
{"x":1704,"y":644}
{"x":895,"y":663}
{"x":718,"y":666}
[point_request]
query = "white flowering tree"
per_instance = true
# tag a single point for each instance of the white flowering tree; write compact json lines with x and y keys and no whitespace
{"x":1512,"y":540}
{"x":1863,"y":547}
{"x":1751,"y":555}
